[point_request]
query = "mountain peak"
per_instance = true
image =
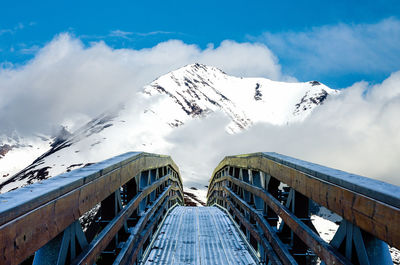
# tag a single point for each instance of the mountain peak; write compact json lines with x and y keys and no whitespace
{"x":201,"y":89}
{"x":198,"y":67}
{"x":174,"y":99}
{"x":315,"y":83}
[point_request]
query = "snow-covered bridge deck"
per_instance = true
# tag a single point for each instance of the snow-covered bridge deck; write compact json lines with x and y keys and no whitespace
{"x":198,"y":235}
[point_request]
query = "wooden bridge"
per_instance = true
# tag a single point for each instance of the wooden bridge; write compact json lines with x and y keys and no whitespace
{"x":130,"y":210}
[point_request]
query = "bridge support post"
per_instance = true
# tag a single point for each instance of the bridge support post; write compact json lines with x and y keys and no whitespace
{"x":257,"y":180}
{"x":359,"y":246}
{"x":143,"y":182}
{"x":299,"y":205}
{"x":271,"y":186}
{"x":153,"y":175}
{"x":260,"y":248}
{"x":62,"y":246}
{"x":110,"y":207}
{"x":263,"y":189}
{"x":130,"y":189}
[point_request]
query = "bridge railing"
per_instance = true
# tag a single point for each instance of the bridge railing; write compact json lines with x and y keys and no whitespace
{"x":104,"y":213}
{"x":271,"y":197}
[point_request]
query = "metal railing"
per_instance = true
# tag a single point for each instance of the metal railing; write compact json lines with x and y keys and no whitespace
{"x":272,"y":197}
{"x":103,"y":213}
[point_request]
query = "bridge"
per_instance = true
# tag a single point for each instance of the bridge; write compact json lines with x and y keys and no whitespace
{"x":130,"y":210}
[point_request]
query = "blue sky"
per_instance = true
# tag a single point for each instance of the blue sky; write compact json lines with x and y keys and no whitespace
{"x":61,"y":60}
{"x":336,"y":42}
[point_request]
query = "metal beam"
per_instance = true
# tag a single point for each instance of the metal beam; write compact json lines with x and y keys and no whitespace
{"x":328,"y":188}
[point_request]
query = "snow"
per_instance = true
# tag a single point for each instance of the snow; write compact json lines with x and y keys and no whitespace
{"x":24,"y":151}
{"x":376,"y":189}
{"x":145,"y":127}
{"x":198,"y":235}
{"x":33,"y":195}
{"x":211,"y":89}
{"x":200,"y":195}
{"x":191,"y":92}
{"x":325,"y":228}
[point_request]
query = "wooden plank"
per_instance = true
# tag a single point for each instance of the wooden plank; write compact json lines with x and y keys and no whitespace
{"x":273,"y":258}
{"x":280,"y":249}
{"x":23,"y":235}
{"x":134,"y":244}
{"x":17,"y":202}
{"x":378,"y":190}
{"x":368,"y":213}
{"x":107,"y":234}
{"x":323,"y":250}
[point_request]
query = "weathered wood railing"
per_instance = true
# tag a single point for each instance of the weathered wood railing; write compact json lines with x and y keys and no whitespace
{"x":119,"y":202}
{"x":271,"y":197}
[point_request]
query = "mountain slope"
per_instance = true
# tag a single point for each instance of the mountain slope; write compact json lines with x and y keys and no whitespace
{"x":200,"y":89}
{"x":191,"y":92}
{"x":16,"y":152}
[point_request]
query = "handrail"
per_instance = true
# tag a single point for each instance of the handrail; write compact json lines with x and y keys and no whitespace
{"x":18,"y":202}
{"x":34,"y":215}
{"x":106,"y":235}
{"x":375,"y":189}
{"x":313,"y":241}
{"x":366,"y":203}
{"x":129,"y":253}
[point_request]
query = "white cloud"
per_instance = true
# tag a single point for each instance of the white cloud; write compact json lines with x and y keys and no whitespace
{"x":357,"y":131}
{"x":340,"y":49}
{"x":16,"y":28}
{"x":257,"y":61}
{"x":126,"y":35}
{"x":151,"y":33}
{"x":30,"y":50}
{"x":120,"y":34}
{"x":66,"y":79}
{"x":129,"y":35}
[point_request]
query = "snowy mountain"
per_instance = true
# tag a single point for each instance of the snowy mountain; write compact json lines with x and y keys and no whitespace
{"x":200,"y":89}
{"x":191,"y":92}
{"x":16,"y":152}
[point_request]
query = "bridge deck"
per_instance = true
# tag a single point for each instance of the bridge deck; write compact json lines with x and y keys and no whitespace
{"x":199,"y":235}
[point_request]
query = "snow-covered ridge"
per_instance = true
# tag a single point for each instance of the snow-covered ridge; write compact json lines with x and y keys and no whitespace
{"x":199,"y":90}
{"x":17,"y":152}
{"x":191,"y":92}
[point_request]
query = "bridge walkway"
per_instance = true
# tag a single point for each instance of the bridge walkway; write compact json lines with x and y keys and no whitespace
{"x":124,"y":211}
{"x":198,"y":235}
